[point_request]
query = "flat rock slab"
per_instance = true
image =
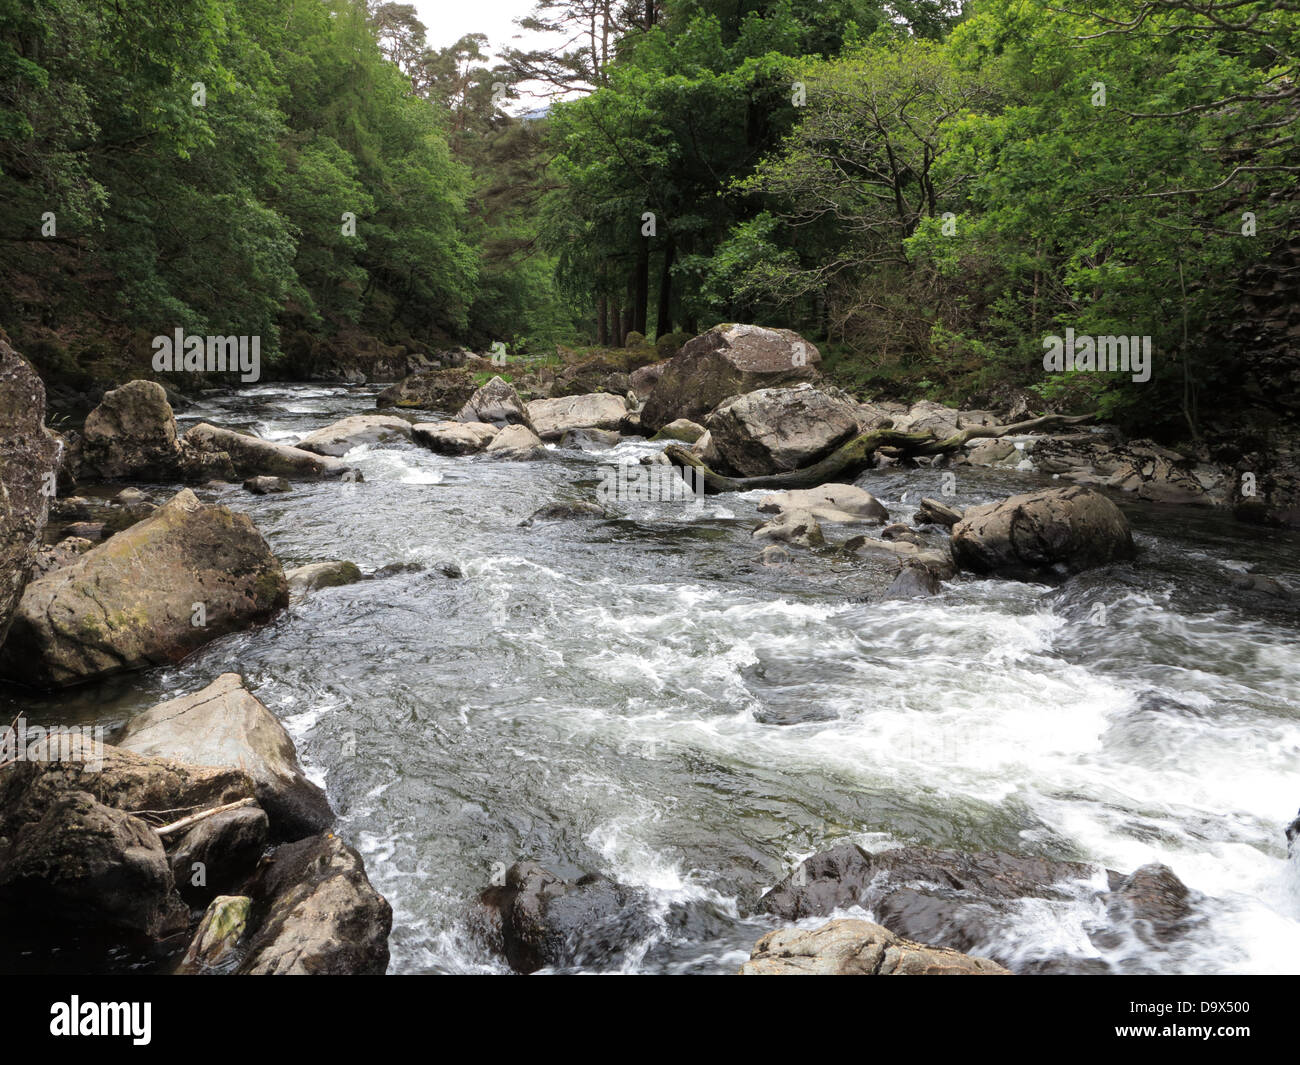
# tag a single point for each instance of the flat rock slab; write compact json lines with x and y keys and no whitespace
{"x":342,"y":436}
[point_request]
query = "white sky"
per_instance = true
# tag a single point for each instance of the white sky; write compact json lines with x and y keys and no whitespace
{"x":449,"y":20}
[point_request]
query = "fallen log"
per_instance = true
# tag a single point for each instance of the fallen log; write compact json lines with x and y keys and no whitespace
{"x":848,"y":460}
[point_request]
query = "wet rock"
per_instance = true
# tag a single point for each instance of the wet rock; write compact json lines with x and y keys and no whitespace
{"x":991,"y":452}
{"x":935,"y":559}
{"x":130,"y":497}
{"x":631,"y":424}
{"x":590,"y":439}
{"x":55,"y":556}
{"x":728,"y":360}
{"x":29,"y":465}
{"x":252,"y":456}
{"x":321,"y":914}
{"x":134,"y":601}
{"x":683,"y":429}
{"x":913,"y":581}
{"x":132,"y":434}
{"x":517,"y":443}
{"x":454,"y":438}
{"x":1062,"y":530}
{"x":262,"y":486}
{"x":932,"y":512}
{"x":319,"y":575}
{"x":86,"y":530}
{"x":566,"y":510}
{"x":537,"y":919}
{"x":89,"y":864}
{"x":797,"y":527}
{"x":496,"y":403}
{"x":552,"y":418}
{"x":774,"y":555}
{"x":899,"y":531}
{"x":843,"y":503}
{"x":775,"y":430}
{"x":857,"y":948}
{"x":215,"y":947}
{"x":226,"y":725}
{"x":444,"y":390}
{"x":1292,"y":831}
{"x":342,"y":436}
{"x":218,"y":853}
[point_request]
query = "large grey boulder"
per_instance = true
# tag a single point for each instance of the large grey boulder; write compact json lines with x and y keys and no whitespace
{"x":844,"y":503}
{"x":454,"y":438}
{"x":1058,"y":531}
{"x":496,"y":403}
{"x":857,"y":948}
{"x":224,"y":724}
{"x":775,"y":430}
{"x":29,"y":464}
{"x":342,"y":436}
{"x":148,"y":596}
{"x":728,"y":360}
{"x":552,"y":418}
{"x":251,"y":455}
{"x":321,"y":916}
{"x":516,"y":442}
{"x":443,"y":390}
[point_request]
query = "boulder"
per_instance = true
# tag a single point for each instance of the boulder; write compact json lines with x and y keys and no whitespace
{"x":86,"y":863}
{"x":29,"y":466}
{"x":132,"y":434}
{"x":932,"y":512}
{"x":496,"y":403}
{"x":1062,"y":530}
{"x":319,"y":575}
{"x":991,"y":452}
{"x":797,"y":527}
{"x":728,"y":360}
{"x":552,"y":418}
{"x":150,"y":595}
{"x":252,"y":455}
{"x":218,"y":853}
{"x":55,"y":556}
{"x":516,"y":442}
{"x":454,"y":438}
{"x":776,"y":430}
{"x":321,"y":916}
{"x":537,"y":919}
{"x":342,"y":436}
{"x":214,"y":948}
{"x":443,"y":390}
{"x":263,"y":486}
{"x":843,"y":503}
{"x":226,"y":725}
{"x":683,"y":430}
{"x":589,"y":439}
{"x":566,"y":510}
{"x":642,"y":382}
{"x":913,"y":581}
{"x":857,"y":948}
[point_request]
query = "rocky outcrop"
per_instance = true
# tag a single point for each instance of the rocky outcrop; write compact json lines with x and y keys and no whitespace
{"x":775,"y":430}
{"x":844,"y":503}
{"x":226,"y":725}
{"x":150,"y":595}
{"x":317,"y":575}
{"x":132,"y":434}
{"x":251,"y":455}
{"x":320,"y":914}
{"x":454,"y":438}
{"x":1059,"y":531}
{"x":728,"y":360}
{"x":441,"y":390}
{"x":857,"y":948}
{"x":29,"y":465}
{"x":552,"y":418}
{"x":516,"y":442}
{"x":537,"y":919}
{"x":496,"y":403}
{"x":342,"y":436}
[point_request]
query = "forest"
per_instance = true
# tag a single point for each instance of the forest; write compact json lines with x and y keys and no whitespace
{"x":926,"y":189}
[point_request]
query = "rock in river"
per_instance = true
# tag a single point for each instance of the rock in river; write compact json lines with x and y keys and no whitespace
{"x":226,"y":725}
{"x":342,"y":436}
{"x":857,"y":948}
{"x":134,"y":600}
{"x":252,"y":455}
{"x":776,"y":430}
{"x":1062,"y":530}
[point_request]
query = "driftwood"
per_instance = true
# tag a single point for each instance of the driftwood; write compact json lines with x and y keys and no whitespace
{"x":186,"y":822}
{"x":848,"y":460}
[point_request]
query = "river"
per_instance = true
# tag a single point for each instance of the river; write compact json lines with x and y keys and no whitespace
{"x":640,"y":697}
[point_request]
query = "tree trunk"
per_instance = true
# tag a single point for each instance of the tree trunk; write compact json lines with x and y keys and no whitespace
{"x":602,"y":320}
{"x":616,"y":324}
{"x":641,"y":295}
{"x":665,"y":324}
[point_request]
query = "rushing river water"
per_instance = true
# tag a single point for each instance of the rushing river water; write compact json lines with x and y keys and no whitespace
{"x":639,"y":697}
